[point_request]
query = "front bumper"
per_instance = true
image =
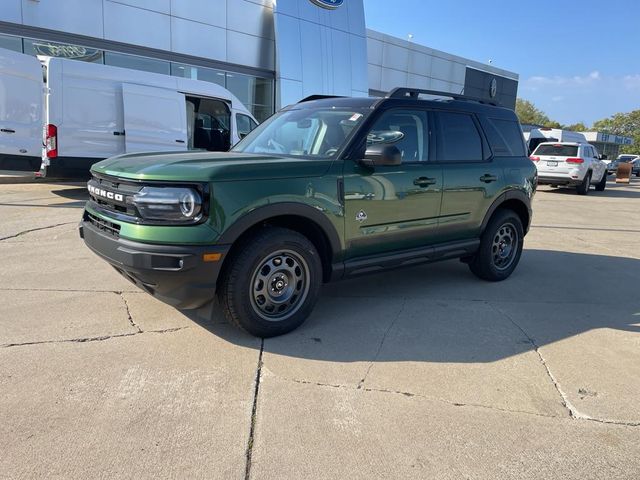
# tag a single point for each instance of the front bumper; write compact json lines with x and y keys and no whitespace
{"x":175,"y":274}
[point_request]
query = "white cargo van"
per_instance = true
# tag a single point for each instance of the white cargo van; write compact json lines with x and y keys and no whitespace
{"x":536,"y":136}
{"x":67,"y":114}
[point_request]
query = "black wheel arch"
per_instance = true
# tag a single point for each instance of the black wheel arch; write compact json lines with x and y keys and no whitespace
{"x":515,"y":200}
{"x":302,"y":218}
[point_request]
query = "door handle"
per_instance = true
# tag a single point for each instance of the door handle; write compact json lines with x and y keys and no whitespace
{"x":424,"y":181}
{"x":7,"y":130}
{"x":488,"y":178}
{"x":118,"y":133}
{"x":180,"y":141}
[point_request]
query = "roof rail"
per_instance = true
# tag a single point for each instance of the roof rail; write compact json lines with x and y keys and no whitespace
{"x":404,"y":92}
{"x":318,"y":97}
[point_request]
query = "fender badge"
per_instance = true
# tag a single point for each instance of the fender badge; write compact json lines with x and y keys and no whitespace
{"x":361,"y":216}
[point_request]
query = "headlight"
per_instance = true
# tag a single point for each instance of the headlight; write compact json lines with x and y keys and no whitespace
{"x":169,"y":204}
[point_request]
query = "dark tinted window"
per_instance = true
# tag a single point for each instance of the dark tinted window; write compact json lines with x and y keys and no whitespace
{"x":459,"y":139}
{"x":505,"y":137}
{"x":557,"y":150}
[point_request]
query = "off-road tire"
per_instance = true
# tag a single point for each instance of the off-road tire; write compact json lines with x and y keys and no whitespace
{"x":583,"y":188}
{"x":236,"y":293}
{"x":483,"y":264}
{"x":602,"y":184}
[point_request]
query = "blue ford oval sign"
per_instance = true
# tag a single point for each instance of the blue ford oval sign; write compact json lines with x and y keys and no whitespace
{"x":328,"y":4}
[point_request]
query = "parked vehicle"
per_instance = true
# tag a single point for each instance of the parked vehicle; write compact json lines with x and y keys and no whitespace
{"x":626,"y":158}
{"x":536,"y":136}
{"x":326,"y":189}
{"x":89,"y":112}
{"x":570,"y":164}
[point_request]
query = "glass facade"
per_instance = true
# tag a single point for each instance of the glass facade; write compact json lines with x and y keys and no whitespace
{"x":256,"y":93}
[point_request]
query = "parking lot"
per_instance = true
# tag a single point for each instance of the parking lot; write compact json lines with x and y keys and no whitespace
{"x":419,"y":373}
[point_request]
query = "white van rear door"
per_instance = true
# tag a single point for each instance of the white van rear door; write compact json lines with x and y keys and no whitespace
{"x":154,"y":119}
{"x":21,"y":112}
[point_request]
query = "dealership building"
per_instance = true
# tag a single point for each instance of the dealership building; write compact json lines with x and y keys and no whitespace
{"x":268,"y":53}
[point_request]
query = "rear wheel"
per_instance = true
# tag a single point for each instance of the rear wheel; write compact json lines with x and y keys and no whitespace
{"x":583,"y":188}
{"x":500,"y":247}
{"x":272,"y":283}
{"x":602,"y":184}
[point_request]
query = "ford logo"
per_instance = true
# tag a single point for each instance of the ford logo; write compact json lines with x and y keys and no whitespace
{"x":328,"y":4}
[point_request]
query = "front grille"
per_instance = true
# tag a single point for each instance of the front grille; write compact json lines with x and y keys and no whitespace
{"x":106,"y":226}
{"x":114,"y":195}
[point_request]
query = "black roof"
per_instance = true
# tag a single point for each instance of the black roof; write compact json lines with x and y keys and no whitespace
{"x":407,"y":97}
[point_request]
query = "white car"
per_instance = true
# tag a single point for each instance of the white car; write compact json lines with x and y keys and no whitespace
{"x":570,"y":164}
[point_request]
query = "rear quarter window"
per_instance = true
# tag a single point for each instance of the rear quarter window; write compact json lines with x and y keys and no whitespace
{"x":505,"y":137}
{"x":557,"y":150}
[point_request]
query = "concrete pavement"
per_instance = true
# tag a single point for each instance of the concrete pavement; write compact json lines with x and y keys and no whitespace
{"x":420,"y":373}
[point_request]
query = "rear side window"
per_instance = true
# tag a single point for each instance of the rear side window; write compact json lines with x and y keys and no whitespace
{"x":505,"y":137}
{"x":458,"y":139}
{"x":557,"y":150}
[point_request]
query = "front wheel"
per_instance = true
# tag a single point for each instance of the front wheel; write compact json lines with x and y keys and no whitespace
{"x":500,"y":247}
{"x":272,"y":282}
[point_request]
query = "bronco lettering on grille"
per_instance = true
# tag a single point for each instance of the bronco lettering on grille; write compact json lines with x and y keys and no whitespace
{"x":99,"y":192}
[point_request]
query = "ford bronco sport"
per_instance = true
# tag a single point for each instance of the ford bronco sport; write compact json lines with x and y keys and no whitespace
{"x":326,"y":189}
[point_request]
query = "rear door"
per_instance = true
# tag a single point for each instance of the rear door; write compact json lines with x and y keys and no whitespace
{"x":154,"y":119}
{"x":553,"y":158}
{"x":21,"y":111}
{"x":472,"y":177}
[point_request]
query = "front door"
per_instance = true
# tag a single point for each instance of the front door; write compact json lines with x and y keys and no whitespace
{"x":393,"y":207}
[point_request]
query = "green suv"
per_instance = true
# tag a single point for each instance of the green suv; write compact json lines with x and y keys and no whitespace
{"x":327,"y":189}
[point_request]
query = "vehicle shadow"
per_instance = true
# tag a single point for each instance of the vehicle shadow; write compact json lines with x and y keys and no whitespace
{"x":442,"y":313}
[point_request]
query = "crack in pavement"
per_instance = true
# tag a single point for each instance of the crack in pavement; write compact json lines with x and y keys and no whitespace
{"x":416,"y":395}
{"x":384,"y":337}
{"x":254,"y":408}
{"x":92,"y":339}
{"x":72,"y":290}
{"x":573,"y":411}
{"x":126,"y":306}
{"x":37,"y":229}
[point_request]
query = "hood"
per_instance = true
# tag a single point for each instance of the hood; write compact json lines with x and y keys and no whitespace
{"x":208,"y":166}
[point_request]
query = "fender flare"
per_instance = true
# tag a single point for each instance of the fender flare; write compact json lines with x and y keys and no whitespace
{"x":260,"y":214}
{"x":510,"y":195}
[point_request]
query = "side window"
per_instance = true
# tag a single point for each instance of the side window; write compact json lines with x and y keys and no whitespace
{"x":505,"y":137}
{"x":408,"y":130}
{"x":208,"y":124}
{"x":245,"y":124}
{"x":458,"y":139}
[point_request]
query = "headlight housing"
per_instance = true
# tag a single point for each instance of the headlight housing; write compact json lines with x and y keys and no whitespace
{"x":169,"y":204}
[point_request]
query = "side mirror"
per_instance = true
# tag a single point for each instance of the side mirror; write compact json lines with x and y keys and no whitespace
{"x":382,"y":154}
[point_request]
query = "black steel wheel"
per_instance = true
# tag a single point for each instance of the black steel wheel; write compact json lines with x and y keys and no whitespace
{"x":501,"y":246}
{"x":270,"y":283}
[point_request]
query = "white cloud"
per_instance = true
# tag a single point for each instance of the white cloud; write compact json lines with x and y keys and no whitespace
{"x":587,"y":97}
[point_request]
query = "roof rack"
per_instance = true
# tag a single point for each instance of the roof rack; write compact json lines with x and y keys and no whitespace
{"x":404,"y":92}
{"x":310,"y":98}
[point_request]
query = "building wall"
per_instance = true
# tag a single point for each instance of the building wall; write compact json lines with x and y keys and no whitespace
{"x":319,"y":51}
{"x":232,"y":31}
{"x":394,"y":62}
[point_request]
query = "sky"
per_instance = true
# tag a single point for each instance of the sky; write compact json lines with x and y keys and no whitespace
{"x":578,"y":61}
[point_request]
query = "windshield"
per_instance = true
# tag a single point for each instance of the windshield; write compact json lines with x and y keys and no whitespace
{"x":626,"y":158}
{"x":557,"y":150}
{"x":307,"y":132}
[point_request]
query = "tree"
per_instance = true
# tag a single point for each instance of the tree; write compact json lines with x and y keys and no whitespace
{"x":577,"y":127}
{"x":626,"y":124}
{"x":528,"y":113}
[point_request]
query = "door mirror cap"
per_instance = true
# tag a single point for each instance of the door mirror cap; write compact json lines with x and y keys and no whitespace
{"x":382,"y":154}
